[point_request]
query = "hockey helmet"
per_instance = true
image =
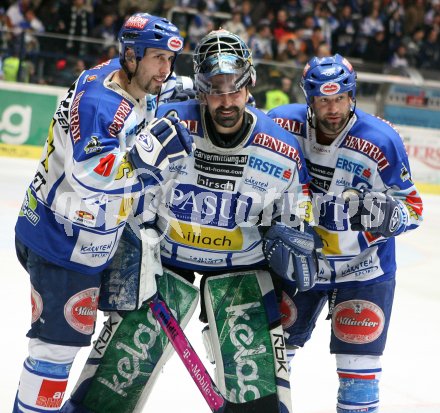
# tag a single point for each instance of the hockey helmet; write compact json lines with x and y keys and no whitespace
{"x":142,"y":30}
{"x":328,"y":76}
{"x":223,"y":53}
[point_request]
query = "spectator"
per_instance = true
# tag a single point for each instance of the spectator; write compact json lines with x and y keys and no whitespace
{"x":200,"y":25}
{"x":261,"y":43}
{"x":76,"y":21}
{"x":312,"y":44}
{"x":32,"y":25}
{"x":344,"y":36}
{"x":235,"y":25}
{"x":394,"y":29}
{"x":414,"y":43}
{"x":15,"y":14}
{"x":429,"y":56}
{"x":106,"y":31}
{"x":377,"y":49}
{"x":283,"y":27}
{"x":414,"y":15}
{"x":398,"y":59}
{"x":291,"y":53}
{"x":277,"y":95}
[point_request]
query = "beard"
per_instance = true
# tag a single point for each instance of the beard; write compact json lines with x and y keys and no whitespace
{"x":230,"y":120}
{"x":152,"y":88}
{"x":332,"y":127}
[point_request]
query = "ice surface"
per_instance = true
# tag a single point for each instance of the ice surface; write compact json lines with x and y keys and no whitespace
{"x":411,"y":362}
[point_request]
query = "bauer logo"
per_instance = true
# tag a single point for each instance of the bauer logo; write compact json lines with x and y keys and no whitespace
{"x":330,"y":88}
{"x":358,"y":321}
{"x":80,"y":310}
{"x":175,"y":44}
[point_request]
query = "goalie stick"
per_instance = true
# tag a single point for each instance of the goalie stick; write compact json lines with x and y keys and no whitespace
{"x":216,"y":401}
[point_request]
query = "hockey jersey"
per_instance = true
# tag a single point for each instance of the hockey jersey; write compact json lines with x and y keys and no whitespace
{"x":76,"y":206}
{"x":368,"y":153}
{"x":211,"y":203}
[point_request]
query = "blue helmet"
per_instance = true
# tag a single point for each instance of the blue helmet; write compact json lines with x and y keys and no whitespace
{"x":142,"y":31}
{"x":223,"y":53}
{"x":328,"y":76}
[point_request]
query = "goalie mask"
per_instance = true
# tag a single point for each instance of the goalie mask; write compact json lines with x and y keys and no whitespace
{"x":226,"y":57}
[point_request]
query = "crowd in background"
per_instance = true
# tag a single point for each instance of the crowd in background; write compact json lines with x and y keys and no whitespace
{"x":395,"y":33}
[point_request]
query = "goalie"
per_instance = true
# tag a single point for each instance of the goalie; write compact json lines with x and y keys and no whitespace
{"x":228,"y":212}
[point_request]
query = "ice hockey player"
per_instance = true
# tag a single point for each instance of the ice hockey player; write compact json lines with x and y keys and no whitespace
{"x":100,"y":153}
{"x":233,"y":211}
{"x":364,"y":198}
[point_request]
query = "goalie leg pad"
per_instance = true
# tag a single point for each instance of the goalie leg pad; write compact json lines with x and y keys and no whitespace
{"x":247,"y":339}
{"x":130,"y":353}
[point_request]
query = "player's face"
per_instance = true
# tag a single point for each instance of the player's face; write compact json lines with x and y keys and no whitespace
{"x":153,"y":70}
{"x":227,"y":110}
{"x":332,"y":112}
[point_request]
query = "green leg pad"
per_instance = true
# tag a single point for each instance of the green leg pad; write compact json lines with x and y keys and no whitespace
{"x":130,"y":352}
{"x":240,"y":335}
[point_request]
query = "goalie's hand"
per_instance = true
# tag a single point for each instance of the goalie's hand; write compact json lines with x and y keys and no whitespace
{"x":375,"y":212}
{"x":182,"y":95}
{"x":293,"y":254}
{"x":161,"y":142}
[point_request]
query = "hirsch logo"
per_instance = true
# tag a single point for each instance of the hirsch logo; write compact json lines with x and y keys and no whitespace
{"x":330,"y":88}
{"x":175,"y":44}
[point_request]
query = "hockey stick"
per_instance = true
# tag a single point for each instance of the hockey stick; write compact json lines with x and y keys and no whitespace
{"x":195,"y":367}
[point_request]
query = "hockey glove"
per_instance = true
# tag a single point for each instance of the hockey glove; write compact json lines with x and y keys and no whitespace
{"x":160,"y":143}
{"x":293,"y":254}
{"x":375,"y":212}
{"x":182,"y":95}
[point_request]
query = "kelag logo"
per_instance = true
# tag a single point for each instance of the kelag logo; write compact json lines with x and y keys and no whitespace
{"x":25,"y":116}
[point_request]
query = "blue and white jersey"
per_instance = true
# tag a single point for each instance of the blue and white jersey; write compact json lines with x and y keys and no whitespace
{"x":210,"y":204}
{"x":368,"y":153}
{"x":77,"y":204}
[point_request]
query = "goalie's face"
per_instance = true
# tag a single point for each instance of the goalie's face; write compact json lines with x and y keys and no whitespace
{"x":226,"y":109}
{"x":152,"y":72}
